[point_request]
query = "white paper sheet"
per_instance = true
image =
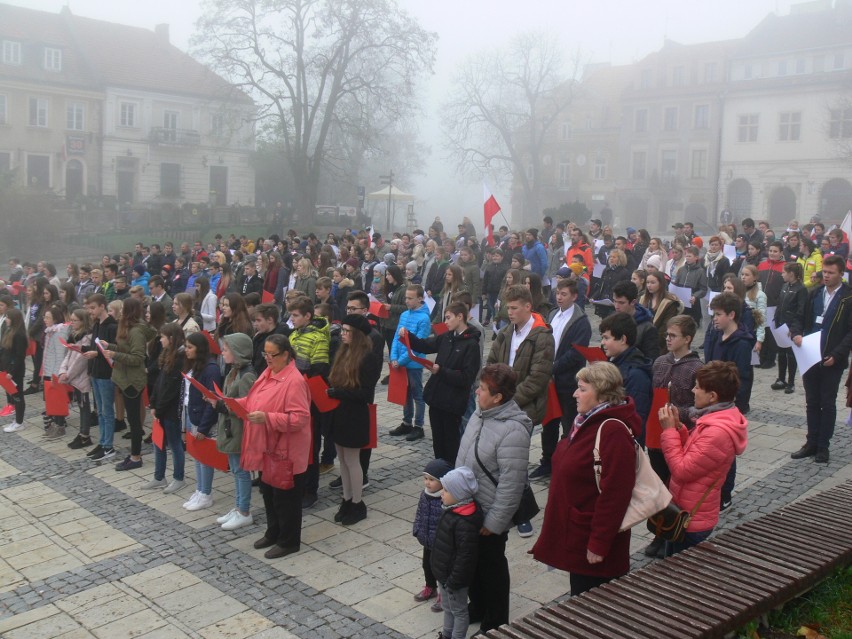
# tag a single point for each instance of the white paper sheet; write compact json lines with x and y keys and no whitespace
{"x":710,"y":296}
{"x":770,"y":316}
{"x":682,"y":293}
{"x":603,"y":302}
{"x":598,"y":269}
{"x":730,"y":251}
{"x":598,"y":245}
{"x":809,"y":354}
{"x":782,"y":336}
{"x":755,"y":358}
{"x":430,"y":303}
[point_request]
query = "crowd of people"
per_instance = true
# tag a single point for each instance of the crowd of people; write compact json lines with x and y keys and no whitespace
{"x":273,"y":350}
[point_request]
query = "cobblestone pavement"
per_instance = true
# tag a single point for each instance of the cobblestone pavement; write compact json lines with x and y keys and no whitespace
{"x":86,"y":552}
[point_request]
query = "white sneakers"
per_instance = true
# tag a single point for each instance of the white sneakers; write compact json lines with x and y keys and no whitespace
{"x":174,"y":486}
{"x":238,"y":520}
{"x":226,"y":517}
{"x":14,"y":427}
{"x":200,"y":502}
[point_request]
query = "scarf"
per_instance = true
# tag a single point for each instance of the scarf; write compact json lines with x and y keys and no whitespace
{"x":711,"y":261}
{"x":695,"y":413}
{"x":581,"y":418}
{"x":457,"y":504}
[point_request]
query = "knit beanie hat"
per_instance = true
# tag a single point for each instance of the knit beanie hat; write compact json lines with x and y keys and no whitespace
{"x":437,"y":468}
{"x":140,"y":269}
{"x":359,"y":323}
{"x":460,"y":483}
{"x":656,"y":262}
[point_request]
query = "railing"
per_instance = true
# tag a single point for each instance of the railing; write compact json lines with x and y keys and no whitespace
{"x":174,"y":137}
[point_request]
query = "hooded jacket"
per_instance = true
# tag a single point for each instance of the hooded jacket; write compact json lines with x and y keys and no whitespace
{"x":536,"y":255}
{"x":533,"y":364}
{"x":456,"y":547}
{"x":737,"y":349}
{"x":418,"y":324}
{"x":472,"y":280}
{"x":770,"y":274}
{"x":129,"y":366}
{"x":504,"y":449}
{"x":311,"y":345}
{"x":702,"y":457}
{"x":647,"y":335}
{"x":202,"y":416}
{"x":635,"y":369}
{"x":458,"y":363}
{"x":679,"y":377}
{"x":581,"y":517}
{"x":693,"y":277}
{"x":238,"y":383}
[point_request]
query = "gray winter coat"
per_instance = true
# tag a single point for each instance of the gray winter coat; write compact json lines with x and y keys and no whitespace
{"x":504,"y":448}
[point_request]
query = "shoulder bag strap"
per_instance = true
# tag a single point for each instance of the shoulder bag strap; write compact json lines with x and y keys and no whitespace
{"x":703,"y":497}
{"x":479,"y":461}
{"x":596,"y":451}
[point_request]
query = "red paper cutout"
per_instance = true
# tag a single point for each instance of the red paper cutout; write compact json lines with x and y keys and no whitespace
{"x":267,"y":298}
{"x":72,"y":347}
{"x":420,"y":360}
{"x":31,"y":348}
{"x":231,"y":403}
{"x":215,"y":349}
{"x":158,"y":435}
{"x":591,"y":353}
{"x":374,"y":428}
{"x":317,"y":386}
{"x":398,"y":385}
{"x":440,"y":328}
{"x":653,"y":429}
{"x":146,"y":401}
{"x":205,"y":392}
{"x":8,"y":384}
{"x":378,"y":309}
{"x":55,"y":398}
{"x":205,"y":451}
{"x":554,"y":408}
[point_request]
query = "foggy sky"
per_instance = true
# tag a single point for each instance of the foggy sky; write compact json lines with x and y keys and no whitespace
{"x":615,"y":31}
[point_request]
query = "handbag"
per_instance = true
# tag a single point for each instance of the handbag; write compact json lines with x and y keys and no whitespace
{"x":528,"y":508}
{"x":277,"y":468}
{"x":650,"y":495}
{"x":671,"y":522}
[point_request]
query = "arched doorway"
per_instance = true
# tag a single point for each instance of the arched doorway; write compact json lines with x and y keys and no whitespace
{"x":73,"y":180}
{"x":739,"y":199}
{"x":782,"y":207}
{"x":835,"y":199}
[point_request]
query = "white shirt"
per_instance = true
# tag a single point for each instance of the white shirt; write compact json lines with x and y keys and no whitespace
{"x":518,"y":337}
{"x":560,"y":321}
{"x":827,"y":297}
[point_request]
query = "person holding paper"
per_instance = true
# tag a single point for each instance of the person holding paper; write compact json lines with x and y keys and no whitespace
{"x":791,"y":311}
{"x":770,"y":275}
{"x":56,"y":331}
{"x":615,"y":272}
{"x":448,"y":389}
{"x":662,"y":305}
{"x":829,"y":312}
{"x":104,"y":329}
{"x":166,"y":407}
{"x":237,"y":353}
{"x":13,"y":355}
{"x":352,"y":380}
{"x":692,"y":275}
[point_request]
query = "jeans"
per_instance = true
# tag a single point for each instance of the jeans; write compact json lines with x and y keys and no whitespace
{"x":104,"y":392}
{"x":489,"y":307}
{"x":203,"y":477}
{"x":690,"y":539}
{"x":242,"y":482}
{"x":821,"y":384}
{"x":456,"y":618}
{"x":171,"y":430}
{"x":414,"y":398}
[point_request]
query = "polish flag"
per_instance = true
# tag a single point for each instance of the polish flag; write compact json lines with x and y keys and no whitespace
{"x":491,"y":209}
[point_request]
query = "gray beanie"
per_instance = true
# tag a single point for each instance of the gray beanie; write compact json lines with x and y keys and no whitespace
{"x":389,"y":258}
{"x":460,"y":483}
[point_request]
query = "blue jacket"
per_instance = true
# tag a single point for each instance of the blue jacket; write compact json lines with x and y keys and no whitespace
{"x":537,"y":257}
{"x":142,"y":281}
{"x":426,"y":519}
{"x":737,"y":349}
{"x":417,"y":323}
{"x":201,"y":414}
{"x":638,"y":382}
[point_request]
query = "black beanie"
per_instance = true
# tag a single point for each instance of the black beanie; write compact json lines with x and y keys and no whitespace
{"x":437,"y":468}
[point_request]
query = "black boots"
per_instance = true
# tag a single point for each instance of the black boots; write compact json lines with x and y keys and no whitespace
{"x":345,"y":505}
{"x":355,"y":513}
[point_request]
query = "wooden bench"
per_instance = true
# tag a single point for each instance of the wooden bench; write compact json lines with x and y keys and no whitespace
{"x":714,"y":588}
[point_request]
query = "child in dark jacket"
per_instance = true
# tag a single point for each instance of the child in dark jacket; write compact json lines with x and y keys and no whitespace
{"x":454,"y":553}
{"x":426,"y":525}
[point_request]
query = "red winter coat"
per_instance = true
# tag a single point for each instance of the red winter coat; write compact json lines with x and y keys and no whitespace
{"x":285,"y":399}
{"x":578,"y":517}
{"x":700,"y":457}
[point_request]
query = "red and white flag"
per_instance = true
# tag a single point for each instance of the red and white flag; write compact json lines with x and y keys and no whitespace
{"x":491,"y":208}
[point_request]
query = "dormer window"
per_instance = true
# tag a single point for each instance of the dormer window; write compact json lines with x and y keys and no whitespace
{"x":52,"y":59}
{"x":11,"y":52}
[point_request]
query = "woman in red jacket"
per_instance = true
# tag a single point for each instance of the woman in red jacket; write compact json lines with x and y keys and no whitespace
{"x":279,"y":419}
{"x":580,"y":533}
{"x":699,"y":459}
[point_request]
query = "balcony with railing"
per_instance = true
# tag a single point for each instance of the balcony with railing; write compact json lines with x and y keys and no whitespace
{"x":165,"y":136}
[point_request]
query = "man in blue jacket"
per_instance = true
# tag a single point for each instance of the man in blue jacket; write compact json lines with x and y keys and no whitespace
{"x":534,"y":252}
{"x":416,"y":321}
{"x":570,"y":326}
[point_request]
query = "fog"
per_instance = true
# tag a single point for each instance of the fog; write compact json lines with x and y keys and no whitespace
{"x":613,"y":31}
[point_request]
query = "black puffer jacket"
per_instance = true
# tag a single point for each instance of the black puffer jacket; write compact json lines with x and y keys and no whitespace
{"x":456,"y":547}
{"x":165,"y":396}
{"x":458,"y":363}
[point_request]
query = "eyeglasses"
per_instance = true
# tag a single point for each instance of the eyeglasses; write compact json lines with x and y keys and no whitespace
{"x":271,"y":355}
{"x":671,"y":336}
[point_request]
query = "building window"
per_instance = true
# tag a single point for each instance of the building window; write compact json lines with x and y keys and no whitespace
{"x":564,"y":173}
{"x":217,"y":126}
{"x":790,"y":126}
{"x":782,"y":67}
{"x":565,"y":131}
{"x":641,"y":124}
{"x":74,"y":116}
{"x":748,"y":127}
{"x":668,"y":164}
{"x":169,"y":179}
{"x":638,"y":162}
{"x":748,"y":72}
{"x":11,"y":52}
{"x":38,"y":111}
{"x":840,"y":124}
{"x":702,"y":116}
{"x":678,"y":77}
{"x":52,"y":59}
{"x":839,"y":60}
{"x":127,"y":114}
{"x":710,"y":72}
{"x":800,"y":65}
{"x":670,"y":119}
{"x":170,"y":124}
{"x":4,"y":110}
{"x":5,"y":162}
{"x":699,"y":164}
{"x":600,"y":167}
{"x":646,"y":79}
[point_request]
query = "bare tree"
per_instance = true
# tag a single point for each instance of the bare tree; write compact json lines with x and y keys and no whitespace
{"x":301,"y":60}
{"x":502,"y":108}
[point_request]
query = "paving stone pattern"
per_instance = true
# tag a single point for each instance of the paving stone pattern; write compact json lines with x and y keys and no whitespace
{"x":86,"y":552}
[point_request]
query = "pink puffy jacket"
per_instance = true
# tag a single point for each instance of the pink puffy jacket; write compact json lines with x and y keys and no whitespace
{"x":285,"y":399}
{"x":701,"y":457}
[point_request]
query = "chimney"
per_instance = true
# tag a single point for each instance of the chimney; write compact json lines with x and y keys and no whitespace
{"x":162,"y":31}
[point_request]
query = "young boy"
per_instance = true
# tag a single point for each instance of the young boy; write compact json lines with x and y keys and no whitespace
{"x":416,"y":321}
{"x":426,"y":519}
{"x":618,"y":341}
{"x":693,"y":276}
{"x":454,"y":553}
